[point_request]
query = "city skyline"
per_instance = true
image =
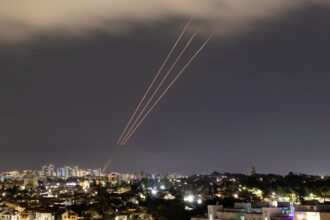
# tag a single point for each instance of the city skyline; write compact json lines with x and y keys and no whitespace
{"x":42,"y":195}
{"x":255,"y":97}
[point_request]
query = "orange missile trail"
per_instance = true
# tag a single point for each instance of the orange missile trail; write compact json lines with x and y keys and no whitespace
{"x":105,"y":167}
{"x":168,"y":87}
{"x":160,"y":84}
{"x":154,"y":80}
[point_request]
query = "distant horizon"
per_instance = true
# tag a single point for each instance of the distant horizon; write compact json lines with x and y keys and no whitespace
{"x":164,"y":173}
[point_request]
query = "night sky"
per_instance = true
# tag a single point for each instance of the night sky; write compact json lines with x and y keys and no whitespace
{"x":258,"y":97}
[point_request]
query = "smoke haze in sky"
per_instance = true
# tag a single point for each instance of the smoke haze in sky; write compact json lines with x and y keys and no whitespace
{"x":22,"y":21}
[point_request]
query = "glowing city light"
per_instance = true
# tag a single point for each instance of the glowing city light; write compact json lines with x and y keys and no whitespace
{"x":154,"y":192}
{"x":189,"y":198}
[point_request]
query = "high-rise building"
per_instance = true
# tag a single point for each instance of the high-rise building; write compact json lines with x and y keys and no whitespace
{"x":48,"y":170}
{"x":75,"y":171}
{"x":97,"y":172}
{"x":68,"y":172}
{"x":60,"y":172}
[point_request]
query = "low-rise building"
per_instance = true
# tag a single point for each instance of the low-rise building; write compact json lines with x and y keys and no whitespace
{"x":244,"y":211}
{"x":68,"y":215}
{"x":9,"y":215}
{"x":44,"y":216}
